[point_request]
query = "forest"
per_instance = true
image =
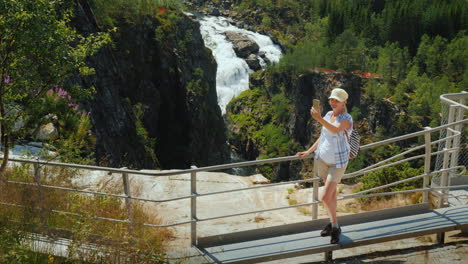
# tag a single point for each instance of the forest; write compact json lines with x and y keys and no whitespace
{"x":418,"y":48}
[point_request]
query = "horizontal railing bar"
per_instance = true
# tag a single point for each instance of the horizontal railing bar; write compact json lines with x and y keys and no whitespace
{"x":253,"y":212}
{"x":100,"y":193}
{"x":259,"y":211}
{"x":230,"y":165}
{"x":454,"y":131}
{"x":261,"y":186}
{"x":99,"y":217}
{"x":458,"y":133}
{"x":247,"y":163}
{"x":409,"y":151}
{"x":398,"y":192}
{"x":448,"y":98}
{"x":450,"y":187}
{"x":357,"y":173}
{"x":78,"y":166}
{"x":392,"y":158}
{"x":169,"y":173}
{"x":168,"y":225}
{"x":409,"y":179}
{"x":411,"y":135}
{"x":361,"y":172}
{"x":381,"y":194}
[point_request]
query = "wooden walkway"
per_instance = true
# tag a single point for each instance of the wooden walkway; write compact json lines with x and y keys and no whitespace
{"x":361,"y":233}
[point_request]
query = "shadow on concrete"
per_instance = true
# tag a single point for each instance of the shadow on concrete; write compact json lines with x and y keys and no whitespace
{"x":367,"y":258}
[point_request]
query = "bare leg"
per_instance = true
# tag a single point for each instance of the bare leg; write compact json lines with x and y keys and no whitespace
{"x":329,"y":199}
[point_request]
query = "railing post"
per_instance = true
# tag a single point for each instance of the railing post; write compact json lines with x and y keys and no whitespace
{"x":445,"y":164}
{"x":193,"y":207}
{"x":456,"y":140}
{"x":315,"y":199}
{"x":128,"y":202}
{"x":37,"y":179}
{"x":427,"y":164}
{"x":443,"y":181}
{"x":328,"y":256}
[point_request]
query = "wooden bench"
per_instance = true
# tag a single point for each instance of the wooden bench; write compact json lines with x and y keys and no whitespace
{"x":359,"y":229}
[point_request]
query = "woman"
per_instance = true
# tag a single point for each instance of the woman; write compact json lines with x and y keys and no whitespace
{"x":332,"y":154}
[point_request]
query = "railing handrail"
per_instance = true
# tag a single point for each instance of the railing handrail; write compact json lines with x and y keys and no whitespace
{"x":224,"y":166}
{"x":447,"y":98}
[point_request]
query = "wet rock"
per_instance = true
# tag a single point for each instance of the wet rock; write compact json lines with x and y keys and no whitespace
{"x":253,"y":62}
{"x":243,"y":45}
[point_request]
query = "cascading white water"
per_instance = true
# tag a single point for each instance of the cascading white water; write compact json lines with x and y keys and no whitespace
{"x":232,"y":76}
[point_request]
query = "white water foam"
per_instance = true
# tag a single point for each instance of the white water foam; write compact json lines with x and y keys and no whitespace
{"x":232,"y":76}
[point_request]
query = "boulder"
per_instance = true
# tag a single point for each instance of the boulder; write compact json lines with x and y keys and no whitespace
{"x":243,"y":45}
{"x":253,"y":62}
{"x":259,"y":179}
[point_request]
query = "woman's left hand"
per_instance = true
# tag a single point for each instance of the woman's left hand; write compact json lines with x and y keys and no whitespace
{"x":315,"y":113}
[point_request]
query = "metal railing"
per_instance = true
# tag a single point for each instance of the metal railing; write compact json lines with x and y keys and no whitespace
{"x":451,"y":150}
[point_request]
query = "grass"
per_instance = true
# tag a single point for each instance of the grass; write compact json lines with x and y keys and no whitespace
{"x":114,"y":242}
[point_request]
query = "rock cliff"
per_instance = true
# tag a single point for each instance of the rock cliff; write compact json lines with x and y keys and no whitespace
{"x":155,"y":103}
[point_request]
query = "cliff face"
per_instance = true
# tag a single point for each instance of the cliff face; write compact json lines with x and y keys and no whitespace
{"x":170,"y":80}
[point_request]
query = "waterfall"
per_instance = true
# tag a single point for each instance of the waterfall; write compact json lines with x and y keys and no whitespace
{"x":232,"y":76}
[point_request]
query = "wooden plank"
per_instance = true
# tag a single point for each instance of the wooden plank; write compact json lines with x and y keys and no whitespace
{"x":236,"y":237}
{"x":441,"y":220}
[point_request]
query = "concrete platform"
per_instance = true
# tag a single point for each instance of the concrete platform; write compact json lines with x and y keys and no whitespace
{"x":298,"y":244}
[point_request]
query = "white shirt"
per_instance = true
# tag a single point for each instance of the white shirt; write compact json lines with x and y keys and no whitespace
{"x":334,"y":148}
{"x":327,"y":147}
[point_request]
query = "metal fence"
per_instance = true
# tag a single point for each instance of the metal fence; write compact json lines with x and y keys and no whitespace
{"x":451,"y":139}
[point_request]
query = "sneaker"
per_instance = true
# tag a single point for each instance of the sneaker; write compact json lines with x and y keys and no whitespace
{"x":326,"y":230}
{"x":335,"y":235}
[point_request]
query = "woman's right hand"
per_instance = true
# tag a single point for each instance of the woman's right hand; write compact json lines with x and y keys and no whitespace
{"x":315,"y":113}
{"x":303,"y":154}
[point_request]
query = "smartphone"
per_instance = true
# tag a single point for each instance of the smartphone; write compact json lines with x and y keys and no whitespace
{"x":316,"y":104}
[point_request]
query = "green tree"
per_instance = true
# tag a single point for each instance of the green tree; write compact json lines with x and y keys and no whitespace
{"x":39,"y":50}
{"x":430,"y":56}
{"x":392,"y":62}
{"x":456,"y":58}
{"x":349,"y":52}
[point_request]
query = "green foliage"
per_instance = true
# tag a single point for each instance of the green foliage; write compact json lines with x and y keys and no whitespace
{"x":38,"y":51}
{"x":392,"y":62}
{"x":403,"y":21}
{"x":263,"y":124}
{"x":113,"y":240}
{"x":11,"y":248}
{"x":348,"y":51}
{"x":430,"y":56}
{"x":109,"y":13}
{"x":274,"y":141}
{"x":356,"y":113}
{"x":168,"y":25}
{"x":390,"y":175}
{"x":306,"y":55}
{"x":148,"y":142}
{"x":197,"y":86}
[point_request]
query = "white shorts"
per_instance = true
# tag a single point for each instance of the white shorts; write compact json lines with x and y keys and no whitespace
{"x":328,"y":172}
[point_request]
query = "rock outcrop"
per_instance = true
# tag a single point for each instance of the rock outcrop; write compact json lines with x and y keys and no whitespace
{"x":245,"y":48}
{"x":170,"y":79}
